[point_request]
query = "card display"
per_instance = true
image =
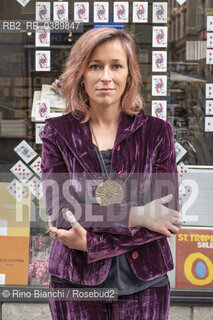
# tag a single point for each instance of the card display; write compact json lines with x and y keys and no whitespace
{"x":60,"y":11}
{"x":121,"y":11}
{"x":208,"y":124}
{"x":16,"y":189}
{"x":43,"y":11}
{"x":39,"y":132}
{"x":140,"y":12}
{"x":209,"y":107}
{"x":24,"y":150}
{"x":209,"y":42}
{"x":21,"y":171}
{"x":159,"y":61}
{"x":42,"y":60}
{"x":159,"y":37}
{"x":101,"y":11}
{"x":42,"y":110}
{"x":42,"y":37}
{"x":209,"y":23}
{"x":81,"y":11}
{"x":159,"y":109}
{"x":159,"y":12}
{"x":180,"y":151}
{"x":35,"y":187}
{"x":209,"y":56}
{"x":159,"y":85}
{"x":209,"y":90}
{"x":36,"y":166}
{"x":23,"y":2}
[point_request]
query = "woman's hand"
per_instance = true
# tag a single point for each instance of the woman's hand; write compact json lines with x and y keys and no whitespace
{"x":156,"y":217}
{"x":74,"y":238}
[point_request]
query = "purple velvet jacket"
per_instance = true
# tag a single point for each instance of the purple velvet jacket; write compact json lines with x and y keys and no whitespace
{"x":144,"y":145}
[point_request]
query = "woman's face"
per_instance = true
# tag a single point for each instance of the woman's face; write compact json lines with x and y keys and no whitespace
{"x":106,"y":74}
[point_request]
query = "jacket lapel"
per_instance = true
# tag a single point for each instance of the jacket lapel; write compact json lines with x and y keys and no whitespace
{"x":79,"y":139}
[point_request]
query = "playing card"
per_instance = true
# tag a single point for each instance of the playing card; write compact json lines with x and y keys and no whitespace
{"x":25,"y":151}
{"x":180,"y":151}
{"x":209,"y":107}
{"x":159,"y":61}
{"x":21,"y":171}
{"x":140,"y":12}
{"x":159,"y":109}
{"x":23,"y":2}
{"x":81,"y":11}
{"x":101,"y":11}
{"x":159,"y":12}
{"x":209,"y":56}
{"x":181,"y":1}
{"x":159,"y":85}
{"x":36,"y":166}
{"x":39,"y":132}
{"x":121,"y":11}
{"x":182,"y":169}
{"x":208,"y":124}
{"x":42,"y":37}
{"x":209,"y":23}
{"x":159,"y":37}
{"x":35,"y":187}
{"x":60,"y":11}
{"x":42,"y":110}
{"x":16,"y":189}
{"x":209,"y":90}
{"x":42,"y":60}
{"x":184,"y":191}
{"x":209,"y":42}
{"x":42,"y":11}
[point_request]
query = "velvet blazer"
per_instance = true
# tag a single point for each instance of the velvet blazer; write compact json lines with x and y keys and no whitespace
{"x":144,"y":152}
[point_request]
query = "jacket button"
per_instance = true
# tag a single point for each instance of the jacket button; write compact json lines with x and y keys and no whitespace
{"x":120,"y":174}
{"x":118,"y":147}
{"x":135,"y":255}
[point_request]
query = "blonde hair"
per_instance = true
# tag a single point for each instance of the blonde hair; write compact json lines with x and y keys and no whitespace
{"x":77,"y":62}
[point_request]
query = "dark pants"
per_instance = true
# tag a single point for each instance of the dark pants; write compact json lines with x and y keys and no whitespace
{"x":150,"y":304}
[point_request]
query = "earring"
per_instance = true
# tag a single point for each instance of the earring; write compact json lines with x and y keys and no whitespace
{"x":82,"y":83}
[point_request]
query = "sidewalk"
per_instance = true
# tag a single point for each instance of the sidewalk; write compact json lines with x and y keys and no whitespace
{"x":35,"y":311}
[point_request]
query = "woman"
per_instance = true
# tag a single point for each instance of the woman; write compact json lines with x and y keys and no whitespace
{"x":105,"y":145}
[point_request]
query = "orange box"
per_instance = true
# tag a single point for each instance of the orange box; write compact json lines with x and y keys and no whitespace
{"x":14,"y":257}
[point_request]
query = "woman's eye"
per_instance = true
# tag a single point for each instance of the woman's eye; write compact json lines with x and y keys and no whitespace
{"x":94,"y":66}
{"x":117,"y":66}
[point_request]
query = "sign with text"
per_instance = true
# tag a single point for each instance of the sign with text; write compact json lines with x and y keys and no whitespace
{"x":194,"y":258}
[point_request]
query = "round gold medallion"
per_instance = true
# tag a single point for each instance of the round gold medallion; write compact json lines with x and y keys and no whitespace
{"x":109,"y":192}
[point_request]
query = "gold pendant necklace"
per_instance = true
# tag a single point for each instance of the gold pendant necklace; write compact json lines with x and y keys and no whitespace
{"x":108,"y":192}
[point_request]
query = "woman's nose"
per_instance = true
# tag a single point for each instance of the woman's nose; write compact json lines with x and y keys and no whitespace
{"x":105,"y":74}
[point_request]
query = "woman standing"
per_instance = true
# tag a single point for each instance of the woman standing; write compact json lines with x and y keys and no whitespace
{"x":106,"y":135}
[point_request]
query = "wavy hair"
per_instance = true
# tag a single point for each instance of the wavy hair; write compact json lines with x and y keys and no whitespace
{"x":75,"y":94}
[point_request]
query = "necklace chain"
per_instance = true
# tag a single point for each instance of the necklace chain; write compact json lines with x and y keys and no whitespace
{"x":108,"y":192}
{"x":99,"y":151}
